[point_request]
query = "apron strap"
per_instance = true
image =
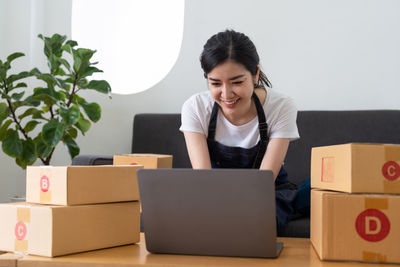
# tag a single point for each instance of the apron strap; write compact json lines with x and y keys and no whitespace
{"x":263,"y":128}
{"x":262,"y":122}
{"x":213,"y":122}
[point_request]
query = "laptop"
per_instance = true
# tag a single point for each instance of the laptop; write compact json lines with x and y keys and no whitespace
{"x":217,"y":212}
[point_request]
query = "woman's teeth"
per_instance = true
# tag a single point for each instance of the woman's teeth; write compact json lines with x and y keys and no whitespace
{"x":230,"y":102}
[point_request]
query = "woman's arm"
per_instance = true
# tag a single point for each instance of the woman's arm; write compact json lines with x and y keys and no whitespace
{"x":275,"y":154}
{"x":196,"y":144}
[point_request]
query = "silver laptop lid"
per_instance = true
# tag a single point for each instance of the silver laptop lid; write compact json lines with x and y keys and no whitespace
{"x":225,"y":212}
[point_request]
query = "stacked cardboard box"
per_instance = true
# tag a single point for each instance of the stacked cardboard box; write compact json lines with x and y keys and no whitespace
{"x":149,"y":161}
{"x":355,"y":199}
{"x":73,"y":209}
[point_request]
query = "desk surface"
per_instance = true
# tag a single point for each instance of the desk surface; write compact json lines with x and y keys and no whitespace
{"x":296,"y":252}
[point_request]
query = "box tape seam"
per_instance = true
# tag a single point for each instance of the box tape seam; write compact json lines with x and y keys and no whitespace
{"x":23,"y":216}
{"x":373,"y":256}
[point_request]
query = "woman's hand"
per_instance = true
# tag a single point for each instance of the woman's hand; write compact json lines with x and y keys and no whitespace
{"x":196,"y":144}
{"x":275,"y":154}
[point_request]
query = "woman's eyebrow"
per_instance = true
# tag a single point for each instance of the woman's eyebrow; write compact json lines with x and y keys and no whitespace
{"x":233,"y":78}
{"x":236,"y":77}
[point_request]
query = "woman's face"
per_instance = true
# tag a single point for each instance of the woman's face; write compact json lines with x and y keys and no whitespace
{"x":231,"y":86}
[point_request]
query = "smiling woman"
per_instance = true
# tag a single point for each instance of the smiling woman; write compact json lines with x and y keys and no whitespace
{"x":134,"y":39}
{"x":240,"y":122}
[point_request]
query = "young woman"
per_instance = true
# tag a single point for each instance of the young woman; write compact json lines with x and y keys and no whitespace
{"x":240,"y":122}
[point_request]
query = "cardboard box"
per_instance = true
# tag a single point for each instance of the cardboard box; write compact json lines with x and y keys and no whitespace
{"x":149,"y":161}
{"x":355,"y":227}
{"x":356,"y":168}
{"x":9,"y":259}
{"x":78,"y":185}
{"x":59,"y":230}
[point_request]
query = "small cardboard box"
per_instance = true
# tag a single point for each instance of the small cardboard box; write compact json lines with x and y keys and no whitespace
{"x":58,"y":230}
{"x":149,"y":161}
{"x":355,"y":227}
{"x":78,"y":185}
{"x":356,"y":168}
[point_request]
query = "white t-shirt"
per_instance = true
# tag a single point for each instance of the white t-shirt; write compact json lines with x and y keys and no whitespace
{"x":280,"y":113}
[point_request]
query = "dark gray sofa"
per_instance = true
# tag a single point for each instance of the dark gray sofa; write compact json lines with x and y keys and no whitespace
{"x":158,"y":133}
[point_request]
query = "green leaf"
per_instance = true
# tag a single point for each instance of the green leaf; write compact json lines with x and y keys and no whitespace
{"x":67,"y":48}
{"x":30,"y":101}
{"x":82,"y":83}
{"x":30,"y":126}
{"x":93,"y":110}
{"x":4,"y":112}
{"x":101,"y":86}
{"x":20,"y":85}
{"x":65,"y":63}
{"x":89,"y":71}
{"x":62,"y":95}
{"x":72,"y":43}
{"x":35,"y":72}
{"x":85,"y":54}
{"x":4,"y":128}
{"x":58,"y":71}
{"x":81,"y":58}
{"x":3,"y":72}
{"x":48,"y":79}
{"x":83,"y":125}
{"x":12,"y":145}
{"x":31,"y":111}
{"x":70,"y":115}
{"x":79,"y":100}
{"x":42,"y":149}
{"x":17,"y":96}
{"x":11,"y":57}
{"x":72,"y":132}
{"x":52,"y":132}
{"x":77,"y":63}
{"x":70,"y":79}
{"x":15,"y":77}
{"x":29,"y":154}
{"x":20,"y":162}
{"x":71,"y":145}
{"x":47,"y":95}
{"x":18,"y":104}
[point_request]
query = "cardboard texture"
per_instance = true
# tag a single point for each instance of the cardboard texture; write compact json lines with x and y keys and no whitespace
{"x":79,"y":185}
{"x":60,"y":230}
{"x":9,"y":260}
{"x":356,"y":168}
{"x":149,"y":161}
{"x":355,"y":227}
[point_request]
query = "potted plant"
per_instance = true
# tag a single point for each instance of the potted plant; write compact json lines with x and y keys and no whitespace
{"x":33,"y":122}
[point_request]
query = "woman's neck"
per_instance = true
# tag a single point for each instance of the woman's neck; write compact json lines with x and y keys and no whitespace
{"x":249,"y":111}
{"x":243,"y":116}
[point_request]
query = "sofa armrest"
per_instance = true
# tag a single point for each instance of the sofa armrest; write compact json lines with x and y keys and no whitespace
{"x":92,"y":160}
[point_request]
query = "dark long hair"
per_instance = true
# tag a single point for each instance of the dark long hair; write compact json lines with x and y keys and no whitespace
{"x":232,"y":45}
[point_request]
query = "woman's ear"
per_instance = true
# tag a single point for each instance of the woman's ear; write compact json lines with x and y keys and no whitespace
{"x":257,"y":76}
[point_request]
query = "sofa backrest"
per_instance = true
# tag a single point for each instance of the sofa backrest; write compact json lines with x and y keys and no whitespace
{"x":159,"y":133}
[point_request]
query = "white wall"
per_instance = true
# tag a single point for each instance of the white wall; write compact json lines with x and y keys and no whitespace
{"x":342,"y":54}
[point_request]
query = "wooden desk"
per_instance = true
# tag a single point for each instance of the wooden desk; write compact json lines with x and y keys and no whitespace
{"x":297,"y":252}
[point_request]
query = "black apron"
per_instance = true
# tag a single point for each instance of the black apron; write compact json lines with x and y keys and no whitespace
{"x":222,"y":156}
